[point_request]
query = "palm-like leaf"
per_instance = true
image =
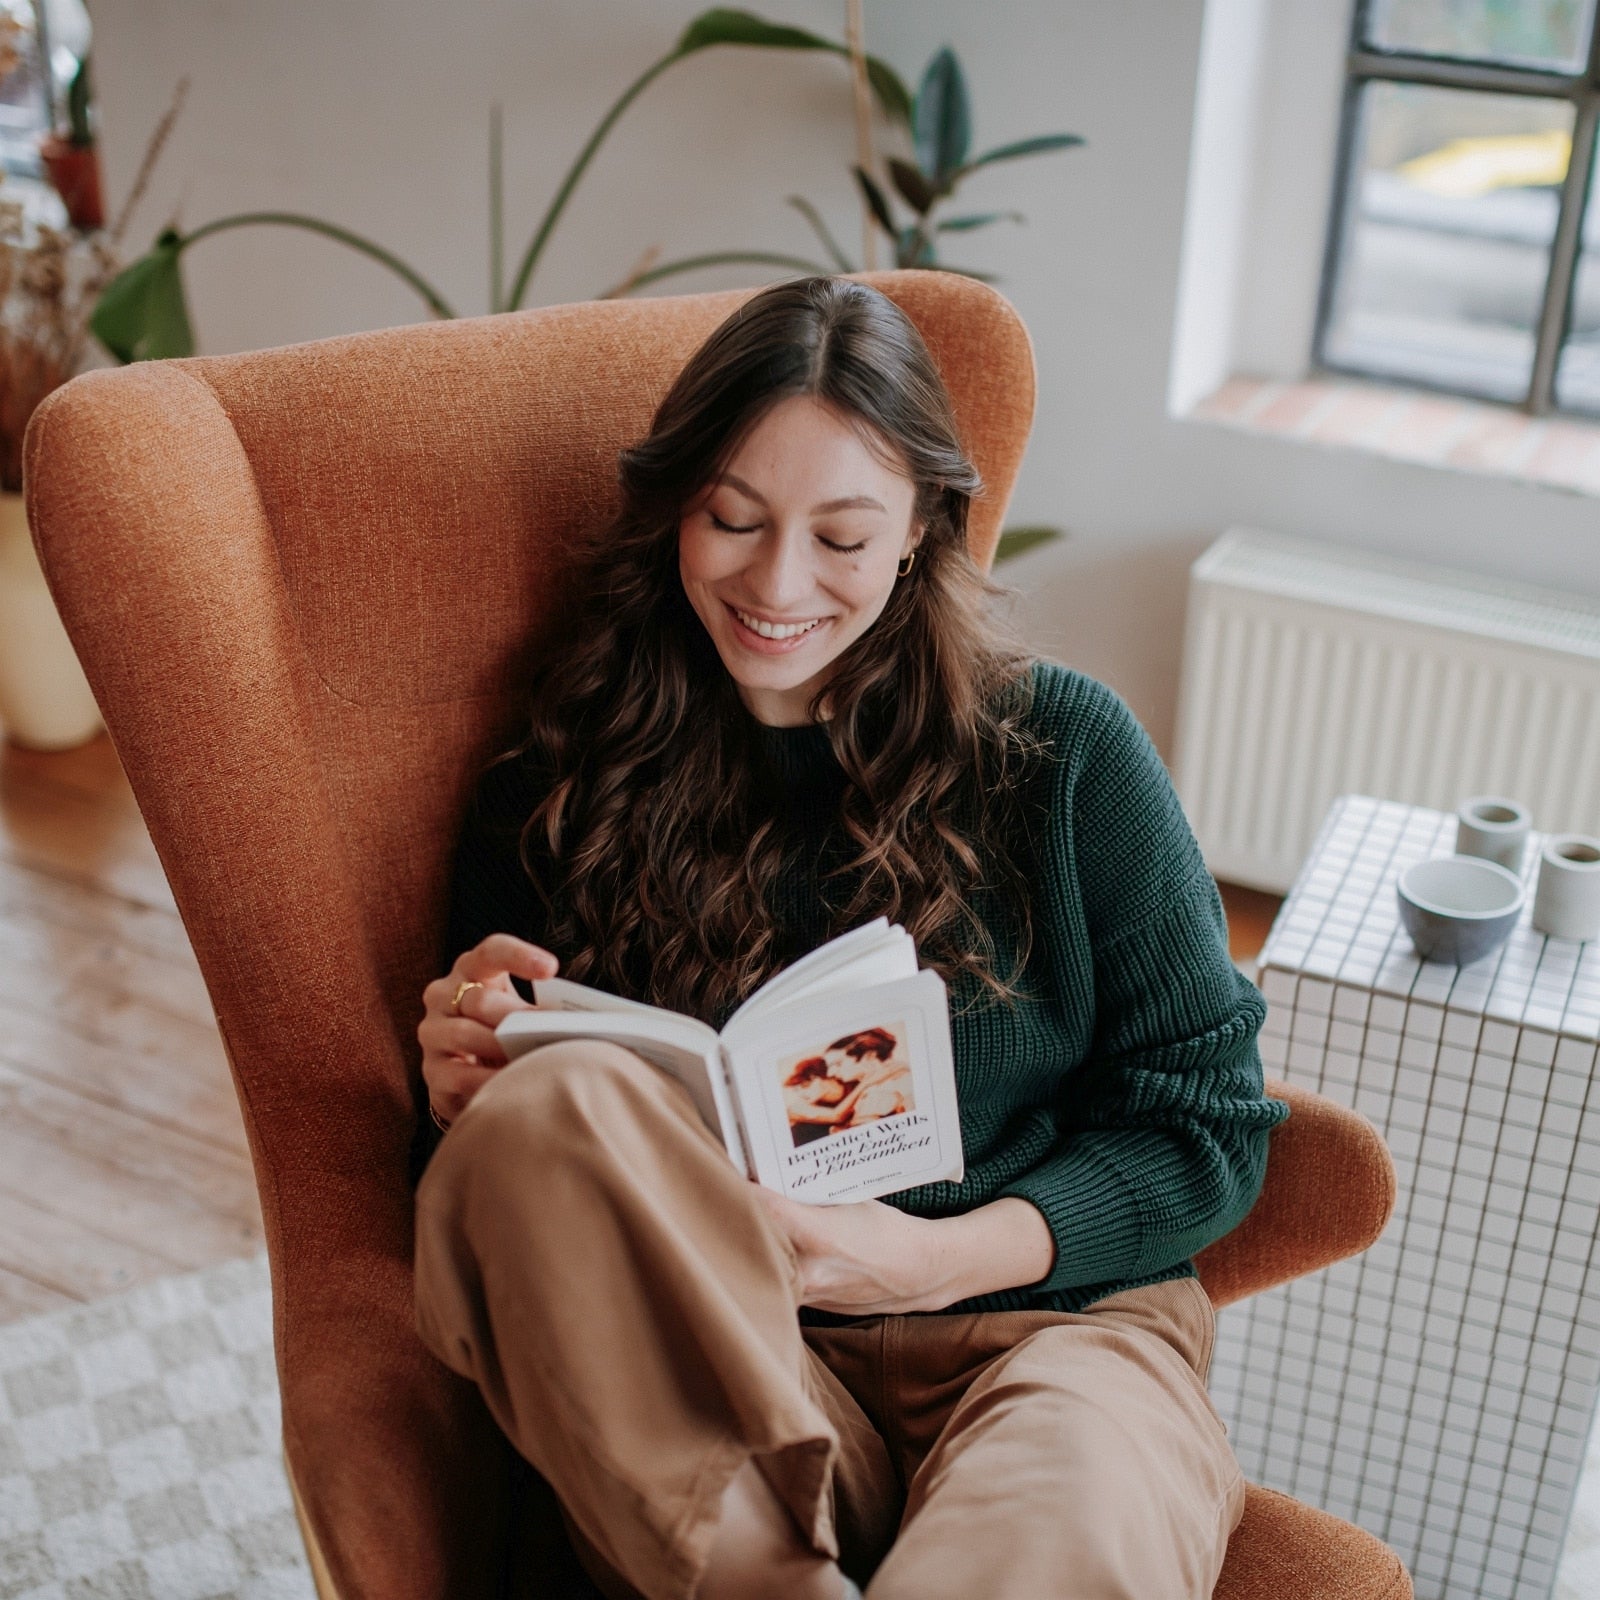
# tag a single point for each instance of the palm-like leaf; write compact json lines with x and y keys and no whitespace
{"x":726,"y":25}
{"x":820,"y":228}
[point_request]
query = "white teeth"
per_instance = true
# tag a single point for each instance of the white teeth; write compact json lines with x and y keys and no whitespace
{"x":776,"y":630}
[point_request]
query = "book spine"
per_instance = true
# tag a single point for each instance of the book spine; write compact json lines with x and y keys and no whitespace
{"x":741,"y":1123}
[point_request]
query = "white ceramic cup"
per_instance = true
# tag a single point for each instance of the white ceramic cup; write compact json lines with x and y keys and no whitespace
{"x":1566,"y":904}
{"x":1494,"y":827}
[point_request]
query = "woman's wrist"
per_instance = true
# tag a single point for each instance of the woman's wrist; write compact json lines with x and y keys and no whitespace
{"x":1006,"y":1244}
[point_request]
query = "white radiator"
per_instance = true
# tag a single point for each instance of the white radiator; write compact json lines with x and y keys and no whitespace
{"x":1311,"y":671}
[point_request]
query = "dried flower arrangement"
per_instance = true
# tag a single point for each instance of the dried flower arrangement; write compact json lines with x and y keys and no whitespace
{"x":49,"y":285}
{"x":51,"y":280}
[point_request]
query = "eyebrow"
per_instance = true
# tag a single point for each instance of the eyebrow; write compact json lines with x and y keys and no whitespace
{"x":849,"y":502}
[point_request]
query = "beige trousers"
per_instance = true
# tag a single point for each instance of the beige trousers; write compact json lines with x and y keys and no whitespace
{"x":588,"y":1255}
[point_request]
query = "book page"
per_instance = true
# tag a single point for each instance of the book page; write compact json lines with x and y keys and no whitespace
{"x":891,"y":957}
{"x":837,"y":955}
{"x":562,"y":994}
{"x":850,"y":1096}
{"x":682,"y":1047}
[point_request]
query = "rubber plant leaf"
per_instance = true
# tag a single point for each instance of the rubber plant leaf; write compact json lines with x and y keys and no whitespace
{"x":914,"y":188}
{"x":1025,"y":147}
{"x":942,"y":120}
{"x":877,"y":201}
{"x":914,"y":248}
{"x":976,"y":219}
{"x":141,"y":314}
{"x":727,"y":25}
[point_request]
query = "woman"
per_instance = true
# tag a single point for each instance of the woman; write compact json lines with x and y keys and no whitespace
{"x":781,"y":707}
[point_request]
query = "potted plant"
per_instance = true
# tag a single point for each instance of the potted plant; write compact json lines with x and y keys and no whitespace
{"x":143,"y":313}
{"x":72,"y":159}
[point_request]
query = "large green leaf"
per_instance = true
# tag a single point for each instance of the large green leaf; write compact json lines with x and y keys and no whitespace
{"x":1015,"y":540}
{"x":1025,"y":147}
{"x":942,"y":118}
{"x":141,"y":315}
{"x":725,"y":25}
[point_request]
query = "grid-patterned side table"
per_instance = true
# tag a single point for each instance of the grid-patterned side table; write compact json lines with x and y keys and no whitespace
{"x":1438,"y":1389}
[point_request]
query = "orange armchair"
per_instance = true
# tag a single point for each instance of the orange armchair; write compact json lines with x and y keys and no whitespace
{"x":305,"y":584}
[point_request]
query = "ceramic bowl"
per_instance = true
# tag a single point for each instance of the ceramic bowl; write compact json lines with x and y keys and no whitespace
{"x":1458,"y":908}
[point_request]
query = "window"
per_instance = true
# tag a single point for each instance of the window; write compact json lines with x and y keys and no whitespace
{"x":33,"y":101}
{"x":1464,"y":251}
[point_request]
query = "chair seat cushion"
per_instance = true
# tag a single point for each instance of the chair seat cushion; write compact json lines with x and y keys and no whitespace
{"x":1284,"y":1547}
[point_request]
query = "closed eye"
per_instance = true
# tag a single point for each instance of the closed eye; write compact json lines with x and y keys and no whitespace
{"x":733,"y":527}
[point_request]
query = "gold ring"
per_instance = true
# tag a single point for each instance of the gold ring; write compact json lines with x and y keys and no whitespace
{"x":461,"y":989}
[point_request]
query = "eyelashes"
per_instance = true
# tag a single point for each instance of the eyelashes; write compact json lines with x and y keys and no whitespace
{"x":729,"y":527}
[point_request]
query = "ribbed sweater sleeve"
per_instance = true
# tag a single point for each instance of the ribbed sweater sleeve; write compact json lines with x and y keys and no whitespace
{"x":1164,"y":1124}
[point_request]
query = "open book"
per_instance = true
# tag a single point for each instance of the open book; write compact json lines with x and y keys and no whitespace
{"x":834,"y":1081}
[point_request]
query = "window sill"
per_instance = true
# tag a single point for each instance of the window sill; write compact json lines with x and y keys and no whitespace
{"x":1414,"y":425}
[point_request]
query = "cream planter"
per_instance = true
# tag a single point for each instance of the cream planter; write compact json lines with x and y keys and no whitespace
{"x":45,"y":700}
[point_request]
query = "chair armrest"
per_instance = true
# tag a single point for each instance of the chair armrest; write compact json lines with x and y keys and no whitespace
{"x":1328,"y":1194}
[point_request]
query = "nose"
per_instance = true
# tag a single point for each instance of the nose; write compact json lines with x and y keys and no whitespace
{"x":780,"y":575}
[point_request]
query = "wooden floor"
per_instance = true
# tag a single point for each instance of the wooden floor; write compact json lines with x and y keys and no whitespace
{"x":122,"y":1152}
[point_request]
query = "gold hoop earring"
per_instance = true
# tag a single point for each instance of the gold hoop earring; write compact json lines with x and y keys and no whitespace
{"x":905,"y":567}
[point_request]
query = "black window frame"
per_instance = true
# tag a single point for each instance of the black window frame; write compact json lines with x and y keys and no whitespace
{"x":1367,"y":63}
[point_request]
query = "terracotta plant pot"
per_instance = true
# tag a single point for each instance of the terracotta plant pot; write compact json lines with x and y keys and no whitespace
{"x":45,"y":700}
{"x":75,"y":175}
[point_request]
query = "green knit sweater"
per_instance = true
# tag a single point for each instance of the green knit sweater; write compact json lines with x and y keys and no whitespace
{"x":1124,"y":1097}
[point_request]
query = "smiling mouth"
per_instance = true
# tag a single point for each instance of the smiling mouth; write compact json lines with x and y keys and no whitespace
{"x":776,"y":630}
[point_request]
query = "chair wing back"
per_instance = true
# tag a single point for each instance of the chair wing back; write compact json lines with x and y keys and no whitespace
{"x":305,"y":584}
{"x":1328,"y":1194}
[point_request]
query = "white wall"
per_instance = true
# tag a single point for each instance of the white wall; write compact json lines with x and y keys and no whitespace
{"x":374,"y":114}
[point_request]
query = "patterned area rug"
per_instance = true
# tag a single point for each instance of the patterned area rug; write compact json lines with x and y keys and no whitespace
{"x":140,"y":1448}
{"x":140,"y":1454}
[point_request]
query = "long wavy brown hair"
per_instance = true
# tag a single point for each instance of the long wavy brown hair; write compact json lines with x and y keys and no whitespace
{"x":654,"y":845}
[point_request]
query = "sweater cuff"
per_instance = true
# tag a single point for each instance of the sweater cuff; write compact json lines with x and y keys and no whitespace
{"x":1092,"y":1215}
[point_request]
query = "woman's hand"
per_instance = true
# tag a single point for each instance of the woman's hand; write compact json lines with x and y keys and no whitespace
{"x":861,"y":1259}
{"x":868,"y":1258}
{"x":460,"y":1052}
